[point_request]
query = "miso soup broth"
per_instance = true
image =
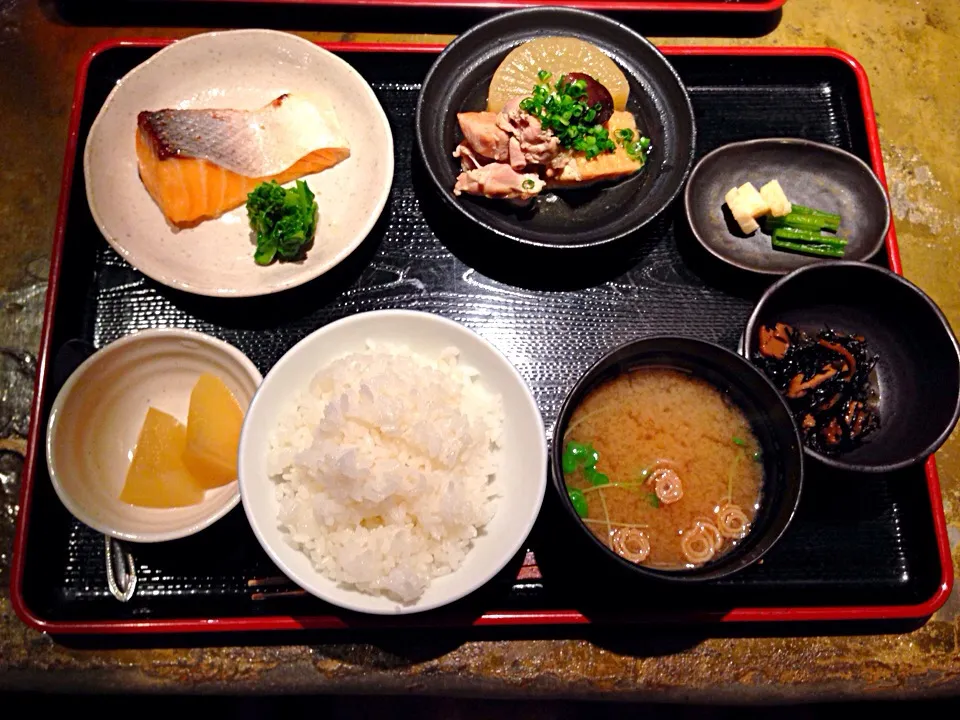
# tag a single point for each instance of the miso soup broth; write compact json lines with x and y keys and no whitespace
{"x":663,"y":468}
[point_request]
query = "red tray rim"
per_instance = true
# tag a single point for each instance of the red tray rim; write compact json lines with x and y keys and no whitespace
{"x":511,"y":617}
{"x":726,"y":6}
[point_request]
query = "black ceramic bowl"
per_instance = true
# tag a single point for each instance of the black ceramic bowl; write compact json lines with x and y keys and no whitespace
{"x":811,"y":174}
{"x":918,"y":370}
{"x":459,"y":80}
{"x":769,"y":418}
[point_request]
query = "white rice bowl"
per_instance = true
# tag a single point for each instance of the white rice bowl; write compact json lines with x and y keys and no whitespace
{"x":392,"y":462}
{"x":386,"y":468}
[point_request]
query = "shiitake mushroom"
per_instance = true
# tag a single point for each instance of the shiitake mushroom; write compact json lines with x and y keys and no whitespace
{"x":596,"y":93}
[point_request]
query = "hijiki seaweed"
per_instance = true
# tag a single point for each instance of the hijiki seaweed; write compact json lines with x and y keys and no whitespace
{"x":826,"y":379}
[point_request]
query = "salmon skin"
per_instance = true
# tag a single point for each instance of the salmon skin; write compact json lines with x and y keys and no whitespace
{"x":198,"y":164}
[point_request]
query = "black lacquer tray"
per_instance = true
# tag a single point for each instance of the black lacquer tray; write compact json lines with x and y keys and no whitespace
{"x":861,"y":547}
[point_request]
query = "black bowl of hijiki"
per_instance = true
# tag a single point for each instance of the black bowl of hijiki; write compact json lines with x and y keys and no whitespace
{"x":677,"y":459}
{"x":866,"y":361}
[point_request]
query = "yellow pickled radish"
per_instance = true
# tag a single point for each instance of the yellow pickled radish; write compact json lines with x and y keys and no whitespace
{"x":517,"y":74}
{"x":213,"y":432}
{"x":157,"y":476}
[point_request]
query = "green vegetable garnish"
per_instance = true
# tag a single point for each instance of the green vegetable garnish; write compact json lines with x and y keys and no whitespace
{"x":831,"y":218}
{"x":739,"y":441}
{"x":579,"y":501}
{"x":800,"y":231}
{"x":583,"y":455}
{"x":757,"y":456}
{"x":562,"y":109}
{"x":591,"y":458}
{"x":809,"y":236}
{"x":595,"y":477}
{"x":636,"y":149}
{"x":808,"y":242}
{"x":653,"y":499}
{"x":800,"y":221}
{"x":284,"y":220}
{"x":527,"y":184}
{"x":574,"y":455}
{"x":820,"y":249}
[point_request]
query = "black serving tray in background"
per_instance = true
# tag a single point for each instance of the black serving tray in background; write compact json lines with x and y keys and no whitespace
{"x":860,"y":546}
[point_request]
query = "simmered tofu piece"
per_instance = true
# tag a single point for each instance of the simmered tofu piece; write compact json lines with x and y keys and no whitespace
{"x":157,"y":476}
{"x":213,"y":432}
{"x":740,"y":212}
{"x":752,"y":201}
{"x":775,"y":199}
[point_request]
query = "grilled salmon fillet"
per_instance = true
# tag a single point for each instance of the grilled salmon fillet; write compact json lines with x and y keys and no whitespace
{"x":198,"y":164}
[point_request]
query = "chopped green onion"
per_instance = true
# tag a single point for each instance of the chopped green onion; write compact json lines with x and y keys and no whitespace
{"x":591,"y":457}
{"x":757,"y":456}
{"x":625,"y":134}
{"x":562,"y":109}
{"x":644,"y":142}
{"x":739,"y":441}
{"x":583,"y":455}
{"x":527,"y":184}
{"x":579,"y":501}
{"x":653,"y":499}
{"x":573,"y":455}
{"x":594,"y":477}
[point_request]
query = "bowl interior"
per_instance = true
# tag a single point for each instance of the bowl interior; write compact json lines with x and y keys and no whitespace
{"x":459,"y":80}
{"x":96,"y":420}
{"x":811,"y":174}
{"x":753,"y":394}
{"x":918,"y":367}
{"x":523,"y":456}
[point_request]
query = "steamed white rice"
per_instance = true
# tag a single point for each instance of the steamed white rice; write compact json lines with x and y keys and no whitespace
{"x":386,"y":468}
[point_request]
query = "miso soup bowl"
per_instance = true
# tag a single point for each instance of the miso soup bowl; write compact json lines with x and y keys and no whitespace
{"x":769,"y":418}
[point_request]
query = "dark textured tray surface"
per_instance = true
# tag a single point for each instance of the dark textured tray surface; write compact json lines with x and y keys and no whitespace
{"x":856,"y":540}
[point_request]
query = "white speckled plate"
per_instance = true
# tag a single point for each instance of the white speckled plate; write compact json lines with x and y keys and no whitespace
{"x":242,"y":69}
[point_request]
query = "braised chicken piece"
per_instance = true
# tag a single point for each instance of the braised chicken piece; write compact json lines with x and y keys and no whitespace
{"x":498,"y":180}
{"x":482,"y":135}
